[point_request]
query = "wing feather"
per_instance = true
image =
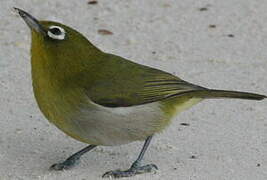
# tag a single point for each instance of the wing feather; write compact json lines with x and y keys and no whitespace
{"x":140,"y":85}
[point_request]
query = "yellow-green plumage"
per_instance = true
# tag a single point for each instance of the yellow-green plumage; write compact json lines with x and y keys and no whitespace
{"x":73,"y":80}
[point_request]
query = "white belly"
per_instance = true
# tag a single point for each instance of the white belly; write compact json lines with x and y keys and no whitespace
{"x":113,"y":126}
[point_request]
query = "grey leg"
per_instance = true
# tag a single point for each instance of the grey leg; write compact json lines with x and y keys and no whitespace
{"x":72,"y":160}
{"x":136,"y":167}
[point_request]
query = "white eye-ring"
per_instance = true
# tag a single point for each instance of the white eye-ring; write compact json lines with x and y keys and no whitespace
{"x":56,"y":32}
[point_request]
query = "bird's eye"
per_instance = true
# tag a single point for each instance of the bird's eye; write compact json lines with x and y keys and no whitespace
{"x":56,"y":32}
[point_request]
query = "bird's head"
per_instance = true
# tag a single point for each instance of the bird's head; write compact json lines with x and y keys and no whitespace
{"x":58,"y":45}
{"x":49,"y":31}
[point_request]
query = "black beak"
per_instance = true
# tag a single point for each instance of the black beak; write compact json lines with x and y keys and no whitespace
{"x":32,"y":22}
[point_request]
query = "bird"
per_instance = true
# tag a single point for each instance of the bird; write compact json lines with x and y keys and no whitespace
{"x":103,"y":99}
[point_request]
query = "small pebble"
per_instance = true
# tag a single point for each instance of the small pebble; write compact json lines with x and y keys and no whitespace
{"x":18,"y":131}
{"x":185,"y":124}
{"x":92,"y":2}
{"x":212,"y":26}
{"x":104,"y":32}
{"x":231,"y":35}
{"x":203,"y":9}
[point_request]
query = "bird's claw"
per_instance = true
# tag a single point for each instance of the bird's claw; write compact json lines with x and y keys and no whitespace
{"x":67,"y":164}
{"x":131,"y":172}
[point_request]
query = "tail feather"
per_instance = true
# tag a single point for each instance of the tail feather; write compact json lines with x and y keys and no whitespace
{"x":212,"y":93}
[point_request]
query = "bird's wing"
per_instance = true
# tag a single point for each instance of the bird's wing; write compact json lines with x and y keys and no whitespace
{"x":134,"y":84}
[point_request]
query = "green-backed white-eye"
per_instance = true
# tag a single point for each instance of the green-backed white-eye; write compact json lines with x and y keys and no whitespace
{"x":104,"y":99}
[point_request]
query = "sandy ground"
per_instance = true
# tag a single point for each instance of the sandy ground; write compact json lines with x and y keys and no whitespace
{"x":219,"y":44}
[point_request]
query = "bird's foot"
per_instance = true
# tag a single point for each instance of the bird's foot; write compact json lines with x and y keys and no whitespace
{"x":134,"y":170}
{"x":67,"y":164}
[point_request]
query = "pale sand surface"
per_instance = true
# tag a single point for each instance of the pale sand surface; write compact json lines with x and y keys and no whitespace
{"x":227,"y":137}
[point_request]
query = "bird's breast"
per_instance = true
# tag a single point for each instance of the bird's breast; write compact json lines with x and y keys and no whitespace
{"x":114,"y":126}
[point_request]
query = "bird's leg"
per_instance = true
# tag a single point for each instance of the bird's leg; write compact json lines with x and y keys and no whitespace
{"x":72,"y":160}
{"x":136,"y":167}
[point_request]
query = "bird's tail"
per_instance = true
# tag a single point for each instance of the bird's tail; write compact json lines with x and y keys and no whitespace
{"x":212,"y":93}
